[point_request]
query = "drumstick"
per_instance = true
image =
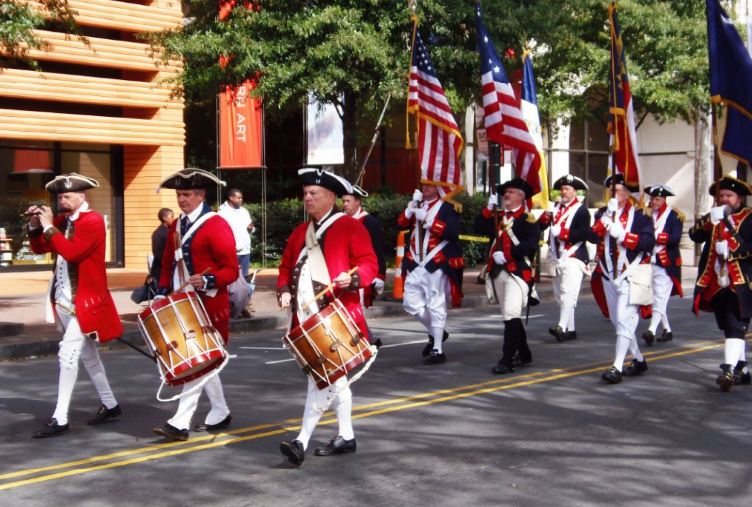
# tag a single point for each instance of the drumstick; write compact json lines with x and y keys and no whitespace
{"x":326,"y":289}
{"x":187,"y":283}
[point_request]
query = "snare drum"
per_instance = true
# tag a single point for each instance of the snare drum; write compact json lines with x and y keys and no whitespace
{"x":328,"y":345}
{"x":179,"y":333}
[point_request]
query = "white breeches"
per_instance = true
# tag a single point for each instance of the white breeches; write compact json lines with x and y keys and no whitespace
{"x":511,"y":291}
{"x":662,"y":286}
{"x":568,"y":281}
{"x":425,"y":297}
{"x":318,"y":400}
{"x":75,"y":346}
{"x":624,"y":316}
{"x":188,"y":403}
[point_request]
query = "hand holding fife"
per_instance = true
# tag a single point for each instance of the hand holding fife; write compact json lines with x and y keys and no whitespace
{"x":555,"y":230}
{"x":722,"y":249}
{"x":33,"y":212}
{"x":493,"y":202}
{"x":45,"y":216}
{"x":420,"y":214}
{"x":417,"y":196}
{"x":342,"y":280}
{"x":616,"y":229}
{"x":284,"y":300}
{"x":612,"y":205}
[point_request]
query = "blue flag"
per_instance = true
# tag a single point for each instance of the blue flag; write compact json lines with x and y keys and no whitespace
{"x":730,"y":80}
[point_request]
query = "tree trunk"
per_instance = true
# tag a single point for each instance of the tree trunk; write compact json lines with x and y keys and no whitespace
{"x":703,"y":169}
{"x":350,"y":137}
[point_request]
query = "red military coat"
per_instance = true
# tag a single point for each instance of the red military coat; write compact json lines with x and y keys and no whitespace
{"x":346,"y":244}
{"x":84,"y":251}
{"x":212,"y":248}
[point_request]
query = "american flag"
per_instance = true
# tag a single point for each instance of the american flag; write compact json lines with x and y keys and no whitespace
{"x":621,"y":124}
{"x":504,"y":121}
{"x":439,"y":139}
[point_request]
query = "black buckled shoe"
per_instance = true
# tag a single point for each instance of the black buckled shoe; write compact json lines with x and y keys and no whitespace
{"x":171,"y":432}
{"x":636,"y":368}
{"x":726,"y":378}
{"x":558,"y":333}
{"x":294,"y":451}
{"x":104,"y":414}
{"x":665,"y":336}
{"x":612,"y":375}
{"x":220,"y":425}
{"x":50,"y":429}
{"x":740,"y":376}
{"x":429,"y":346}
{"x":649,"y":338}
{"x":338,"y":445}
{"x":502,"y":369}
{"x":570,"y":335}
{"x":377,"y":343}
{"x":435,"y":357}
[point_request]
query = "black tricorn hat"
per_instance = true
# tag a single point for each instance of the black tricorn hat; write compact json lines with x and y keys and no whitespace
{"x":358,"y":192}
{"x":191,"y":178}
{"x":618,"y":179}
{"x":659,"y":190}
{"x":572,"y":181}
{"x":71,"y":182}
{"x":735,"y":185}
{"x":517,"y":183}
{"x":326,"y":179}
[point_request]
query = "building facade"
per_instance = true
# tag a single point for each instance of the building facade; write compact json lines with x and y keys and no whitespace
{"x":99,"y":105}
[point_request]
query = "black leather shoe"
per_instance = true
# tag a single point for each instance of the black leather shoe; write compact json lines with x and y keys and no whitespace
{"x":740,"y":377}
{"x":220,"y":425}
{"x":435,"y":358}
{"x":337,"y":446}
{"x":649,"y":338}
{"x":294,"y":451}
{"x":665,"y":337}
{"x":570,"y":335}
{"x":502,"y":369}
{"x":104,"y":414}
{"x":558,"y":333}
{"x":377,"y":343}
{"x":612,"y":375}
{"x":429,"y":346}
{"x":50,"y":429}
{"x":726,"y":378}
{"x":171,"y":432}
{"x":636,"y":368}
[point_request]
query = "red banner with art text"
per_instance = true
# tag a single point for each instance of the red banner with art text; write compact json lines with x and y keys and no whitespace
{"x":241,"y":121}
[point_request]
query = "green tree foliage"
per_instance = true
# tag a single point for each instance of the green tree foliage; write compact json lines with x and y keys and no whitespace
{"x":17,"y":24}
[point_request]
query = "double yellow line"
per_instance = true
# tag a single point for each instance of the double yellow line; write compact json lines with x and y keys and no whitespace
{"x":158,"y":451}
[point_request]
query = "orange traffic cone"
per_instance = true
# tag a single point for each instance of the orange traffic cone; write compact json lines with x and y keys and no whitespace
{"x":399,"y":284}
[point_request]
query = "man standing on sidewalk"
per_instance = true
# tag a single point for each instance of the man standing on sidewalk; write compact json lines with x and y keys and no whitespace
{"x":668,"y":224}
{"x":242,"y":227}
{"x":78,"y":300}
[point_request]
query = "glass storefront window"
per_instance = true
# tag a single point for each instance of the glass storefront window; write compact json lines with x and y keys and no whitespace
{"x":25,"y":168}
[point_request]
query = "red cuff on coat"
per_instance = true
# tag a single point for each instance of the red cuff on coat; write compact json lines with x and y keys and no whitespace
{"x":438,"y":227}
{"x":630,"y":240}
{"x":487,"y":213}
{"x":663,"y":258}
{"x":599,"y":228}
{"x":564,"y":234}
{"x":733,"y":244}
{"x":662,"y":238}
{"x":403,"y":221}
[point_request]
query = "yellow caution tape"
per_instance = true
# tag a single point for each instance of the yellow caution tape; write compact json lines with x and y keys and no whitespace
{"x":479,"y":239}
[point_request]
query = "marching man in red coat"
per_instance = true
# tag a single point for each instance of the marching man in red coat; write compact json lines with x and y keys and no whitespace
{"x":78,"y":299}
{"x":336,"y":243}
{"x":206,"y":260}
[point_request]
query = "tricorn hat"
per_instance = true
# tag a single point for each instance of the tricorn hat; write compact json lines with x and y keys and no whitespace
{"x":618,"y":179}
{"x":326,"y":179}
{"x":190,"y":178}
{"x":358,"y":192}
{"x":71,"y":182}
{"x":735,"y":185}
{"x":517,"y":183}
{"x":572,"y":181}
{"x":659,"y":190}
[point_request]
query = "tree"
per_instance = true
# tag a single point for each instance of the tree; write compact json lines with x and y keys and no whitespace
{"x":18,"y":21}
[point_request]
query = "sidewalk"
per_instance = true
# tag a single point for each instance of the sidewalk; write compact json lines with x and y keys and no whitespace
{"x":24,"y":333}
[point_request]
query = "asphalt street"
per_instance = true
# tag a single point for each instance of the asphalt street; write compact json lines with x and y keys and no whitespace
{"x":453,"y":434}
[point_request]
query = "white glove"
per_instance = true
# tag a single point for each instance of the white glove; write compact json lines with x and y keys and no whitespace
{"x":616,"y":230}
{"x":555,"y":230}
{"x":722,"y":249}
{"x":606,"y":220}
{"x":613,"y":205}
{"x":410,"y":210}
{"x":417,"y":196}
{"x":498,"y":257}
{"x":493,"y":202}
{"x":716,"y":214}
{"x":420,"y":214}
{"x":378,"y":285}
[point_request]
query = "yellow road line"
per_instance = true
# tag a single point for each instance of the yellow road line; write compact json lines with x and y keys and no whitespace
{"x":359,"y":412}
